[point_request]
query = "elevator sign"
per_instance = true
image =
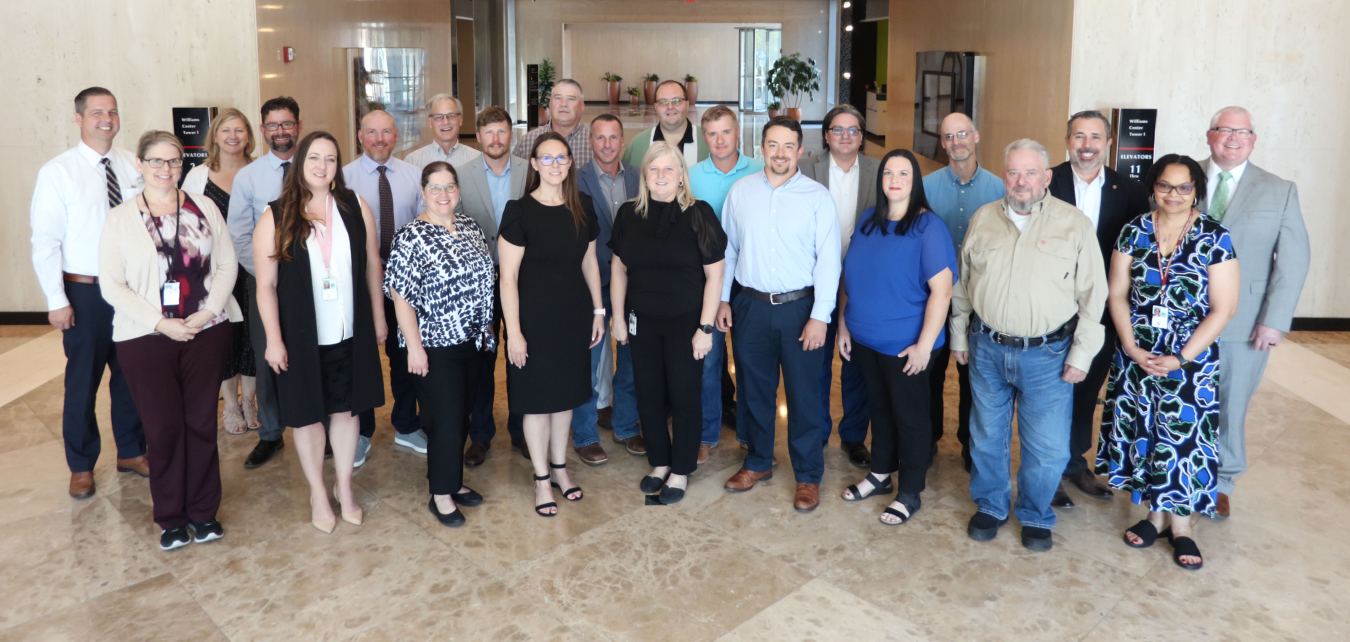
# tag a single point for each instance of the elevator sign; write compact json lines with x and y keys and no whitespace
{"x":1132,"y":152}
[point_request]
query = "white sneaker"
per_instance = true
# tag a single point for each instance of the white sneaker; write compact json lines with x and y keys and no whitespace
{"x":415,"y":440}
{"x":362,"y":449}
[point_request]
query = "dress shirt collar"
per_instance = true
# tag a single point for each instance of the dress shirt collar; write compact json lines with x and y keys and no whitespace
{"x":491,"y":174}
{"x":600,"y":171}
{"x":956,"y":180}
{"x":688,"y":138}
{"x":369,"y":166}
{"x":1096,"y":182}
{"x":1212,"y":174}
{"x":1036,"y":208}
{"x":273,"y":161}
{"x":87,"y":153}
{"x":796,"y":177}
{"x":742,"y":162}
{"x":834,"y":165}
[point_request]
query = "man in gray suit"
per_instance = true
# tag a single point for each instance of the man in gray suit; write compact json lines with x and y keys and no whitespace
{"x":486,"y":183}
{"x":1262,"y":215}
{"x":852,"y":180}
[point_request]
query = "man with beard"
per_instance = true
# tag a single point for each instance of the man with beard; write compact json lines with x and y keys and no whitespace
{"x":445,"y":116}
{"x":783,"y":248}
{"x":1110,"y":200}
{"x":564,"y":108}
{"x":486,"y":183}
{"x":1026,"y":317}
{"x":393,"y":189}
{"x":672,"y":113}
{"x":255,"y":186}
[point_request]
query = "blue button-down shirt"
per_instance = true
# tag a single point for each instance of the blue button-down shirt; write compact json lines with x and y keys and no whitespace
{"x":405,"y":183}
{"x":711,"y":185}
{"x":785,"y":239}
{"x":258,"y":184}
{"x":955,"y":202}
{"x":499,"y":187}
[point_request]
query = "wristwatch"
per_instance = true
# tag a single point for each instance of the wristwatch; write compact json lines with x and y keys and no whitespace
{"x":707,"y":329}
{"x":1185,"y":365}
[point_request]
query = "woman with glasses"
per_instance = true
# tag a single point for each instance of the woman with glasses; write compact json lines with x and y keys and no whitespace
{"x":167,"y":267}
{"x":1173,"y":287}
{"x":440,"y":278}
{"x":549,"y":275}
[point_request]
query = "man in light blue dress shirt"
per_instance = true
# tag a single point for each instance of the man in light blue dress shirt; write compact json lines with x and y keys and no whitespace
{"x":783,"y":248}
{"x":379,"y":137}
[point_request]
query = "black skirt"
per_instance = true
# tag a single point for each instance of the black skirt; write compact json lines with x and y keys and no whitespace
{"x":335,"y":362}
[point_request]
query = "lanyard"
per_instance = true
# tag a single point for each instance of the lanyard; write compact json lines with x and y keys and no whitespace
{"x":326,"y":236}
{"x":175,"y":257}
{"x":1165,"y":269}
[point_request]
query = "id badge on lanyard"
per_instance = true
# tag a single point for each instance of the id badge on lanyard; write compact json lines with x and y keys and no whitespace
{"x":170,"y":294}
{"x":632,"y":323}
{"x":329,"y":286}
{"x":1160,"y":317}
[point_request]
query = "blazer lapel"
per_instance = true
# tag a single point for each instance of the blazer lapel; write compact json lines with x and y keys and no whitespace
{"x":823,"y":169}
{"x":1250,"y":183}
{"x":867,"y":183}
{"x":480,"y":167}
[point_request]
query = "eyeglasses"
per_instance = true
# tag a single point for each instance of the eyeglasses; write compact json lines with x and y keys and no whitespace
{"x":288,"y":126}
{"x":840,"y":131}
{"x":440,"y":118}
{"x":548,"y":160}
{"x":159,"y":162}
{"x":437,"y":190}
{"x":961,"y":135}
{"x":670,"y":101}
{"x":1163,"y":188}
{"x":1241,"y":133}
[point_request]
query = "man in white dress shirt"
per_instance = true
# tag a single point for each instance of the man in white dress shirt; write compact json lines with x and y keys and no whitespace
{"x":74,"y":192}
{"x":445,"y":117}
{"x":393,"y":188}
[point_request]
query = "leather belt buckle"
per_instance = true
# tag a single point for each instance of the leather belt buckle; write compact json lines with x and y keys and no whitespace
{"x":773,"y":298}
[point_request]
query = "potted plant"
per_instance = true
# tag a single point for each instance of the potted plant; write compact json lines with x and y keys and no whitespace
{"x":612,"y":81}
{"x":774,"y":108}
{"x":633,"y":95}
{"x":548,"y":75}
{"x":791,"y":78}
{"x":691,"y":88}
{"x":649,"y":88}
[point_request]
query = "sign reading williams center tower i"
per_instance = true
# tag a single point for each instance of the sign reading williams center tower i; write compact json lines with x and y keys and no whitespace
{"x":1132,"y":151}
{"x":192,"y":125}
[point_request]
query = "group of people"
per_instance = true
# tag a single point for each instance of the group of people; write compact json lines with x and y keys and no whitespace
{"x":1041,"y":286}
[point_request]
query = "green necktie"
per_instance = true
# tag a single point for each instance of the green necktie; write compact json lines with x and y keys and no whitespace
{"x":1219,"y":206}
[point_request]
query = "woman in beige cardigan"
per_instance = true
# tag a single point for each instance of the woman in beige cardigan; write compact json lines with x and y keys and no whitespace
{"x":167,"y":266}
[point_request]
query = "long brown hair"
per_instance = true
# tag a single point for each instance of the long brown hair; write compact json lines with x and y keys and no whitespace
{"x":292,"y":227}
{"x":571,"y":195}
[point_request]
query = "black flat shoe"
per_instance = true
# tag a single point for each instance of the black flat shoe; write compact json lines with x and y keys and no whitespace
{"x":652,"y":485}
{"x":983,"y":527}
{"x":263,"y":452}
{"x":671,"y":495}
{"x":1037,"y":539}
{"x":452,"y":520}
{"x":1061,"y":499}
{"x":540,"y":508}
{"x":468,"y":498}
{"x":569,"y":492}
{"x":878,"y":486}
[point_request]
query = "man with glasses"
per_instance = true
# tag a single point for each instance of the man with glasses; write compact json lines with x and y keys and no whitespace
{"x":73,"y":195}
{"x":851,"y":178}
{"x":564,"y":111}
{"x":445,"y":116}
{"x":1111,"y":200}
{"x":1262,"y":214}
{"x":672,"y":114}
{"x":393,"y":188}
{"x":255,"y":186}
{"x":955,"y":192}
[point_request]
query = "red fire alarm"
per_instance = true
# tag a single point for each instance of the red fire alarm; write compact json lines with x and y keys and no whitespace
{"x":288,"y":54}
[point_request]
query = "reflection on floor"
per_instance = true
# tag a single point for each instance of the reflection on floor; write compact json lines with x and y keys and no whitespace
{"x":717,"y":566}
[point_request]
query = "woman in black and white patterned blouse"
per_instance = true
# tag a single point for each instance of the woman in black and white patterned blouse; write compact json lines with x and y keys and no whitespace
{"x":440,"y":277}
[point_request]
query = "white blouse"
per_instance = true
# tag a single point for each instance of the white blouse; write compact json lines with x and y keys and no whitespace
{"x":334,"y":318}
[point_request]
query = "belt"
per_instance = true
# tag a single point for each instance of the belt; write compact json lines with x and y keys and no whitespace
{"x":79,"y":278}
{"x":777,"y":298}
{"x":1014,"y":341}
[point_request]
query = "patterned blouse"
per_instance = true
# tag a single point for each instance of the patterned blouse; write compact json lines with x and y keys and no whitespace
{"x":191,"y":269}
{"x":447,"y":279}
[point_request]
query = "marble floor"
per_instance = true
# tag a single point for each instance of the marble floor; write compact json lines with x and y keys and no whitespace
{"x":717,"y":566}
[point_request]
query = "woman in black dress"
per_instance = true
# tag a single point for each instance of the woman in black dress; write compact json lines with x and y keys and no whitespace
{"x":549,"y":276}
{"x":667,"y":281}
{"x":320,"y":296}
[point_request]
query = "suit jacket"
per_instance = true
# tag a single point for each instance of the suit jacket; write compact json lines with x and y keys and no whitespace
{"x":1271,"y":243}
{"x":1123,"y":198}
{"x":637,"y":148}
{"x":588,"y":181}
{"x":817,"y":168}
{"x":476,"y":200}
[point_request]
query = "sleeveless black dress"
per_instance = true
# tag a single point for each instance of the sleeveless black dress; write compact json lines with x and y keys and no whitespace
{"x":300,"y":389}
{"x":241,"y":361}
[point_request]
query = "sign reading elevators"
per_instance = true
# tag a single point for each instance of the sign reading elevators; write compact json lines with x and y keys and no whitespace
{"x":1132,"y":151}
{"x":192,"y":125}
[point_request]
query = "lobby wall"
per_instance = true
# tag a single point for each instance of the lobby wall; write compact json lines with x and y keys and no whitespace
{"x":705,"y":49}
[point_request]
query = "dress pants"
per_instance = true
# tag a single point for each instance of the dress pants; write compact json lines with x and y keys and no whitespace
{"x":89,"y":349}
{"x":482,"y":426}
{"x":1085,"y":394}
{"x":852,"y":392}
{"x":177,"y":384}
{"x":765,"y":338}
{"x":404,"y":415}
{"x":1241,"y":368}
{"x":446,"y":392}
{"x":937,"y":379}
{"x":669,"y":382}
{"x":269,"y":414}
{"x":624,"y":417}
{"x":902,"y":438}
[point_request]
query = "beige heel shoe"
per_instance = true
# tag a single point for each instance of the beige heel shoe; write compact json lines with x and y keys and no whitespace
{"x":360,"y":515}
{"x":327,"y":526}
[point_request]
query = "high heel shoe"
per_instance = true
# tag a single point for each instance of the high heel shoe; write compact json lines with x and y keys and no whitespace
{"x":566,"y":493}
{"x":326,"y":526}
{"x":540,"y":508}
{"x":360,"y":516}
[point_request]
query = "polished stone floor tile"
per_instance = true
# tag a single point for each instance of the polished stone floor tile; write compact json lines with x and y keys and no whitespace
{"x":21,"y":428}
{"x":487,"y":611}
{"x":821,"y":611}
{"x":155,"y":610}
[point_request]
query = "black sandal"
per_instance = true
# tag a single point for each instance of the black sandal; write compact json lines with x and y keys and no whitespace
{"x":1145,"y":531}
{"x":877,"y":488}
{"x":1185,"y":547}
{"x":908,"y":512}
{"x":566,"y":493}
{"x":539,"y":508}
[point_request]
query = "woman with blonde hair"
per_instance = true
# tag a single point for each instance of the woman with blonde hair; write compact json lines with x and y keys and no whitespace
{"x":666,"y":281}
{"x":229,"y":147}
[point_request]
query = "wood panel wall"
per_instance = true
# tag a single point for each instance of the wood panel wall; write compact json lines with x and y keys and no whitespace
{"x":708,"y":51}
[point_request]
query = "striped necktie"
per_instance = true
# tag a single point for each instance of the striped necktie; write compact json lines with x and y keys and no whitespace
{"x":1219,"y":205}
{"x":114,"y":190}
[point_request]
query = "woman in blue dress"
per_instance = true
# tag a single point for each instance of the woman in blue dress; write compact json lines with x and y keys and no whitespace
{"x":1174,"y":286}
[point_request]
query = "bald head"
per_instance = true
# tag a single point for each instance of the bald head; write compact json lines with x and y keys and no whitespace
{"x":958,"y":136}
{"x":378,"y":135}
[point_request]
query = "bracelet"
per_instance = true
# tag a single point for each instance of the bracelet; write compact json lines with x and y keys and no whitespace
{"x":600,"y":311}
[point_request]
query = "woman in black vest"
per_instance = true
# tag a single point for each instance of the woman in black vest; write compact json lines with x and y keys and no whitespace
{"x":319,"y":296}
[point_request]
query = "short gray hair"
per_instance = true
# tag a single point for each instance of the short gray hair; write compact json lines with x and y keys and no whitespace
{"x":1234,"y":109}
{"x":1090,"y":113}
{"x":431,"y":102}
{"x":1027,"y":143}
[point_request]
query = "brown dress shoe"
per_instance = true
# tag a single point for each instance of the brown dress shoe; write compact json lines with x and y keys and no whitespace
{"x":475,"y":455}
{"x":604,"y":418}
{"x":1220,"y":509}
{"x":82,"y":485}
{"x":745,"y":479}
{"x":808,"y":498}
{"x":703,"y":451}
{"x":592,"y":455}
{"x":139,"y":465}
{"x":635,"y":445}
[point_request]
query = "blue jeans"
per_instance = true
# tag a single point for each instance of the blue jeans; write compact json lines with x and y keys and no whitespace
{"x":712,"y":390}
{"x":1001,"y":376}
{"x":852,"y":389}
{"x":625,"y":416}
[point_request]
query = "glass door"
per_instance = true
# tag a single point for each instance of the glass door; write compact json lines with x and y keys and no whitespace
{"x":760,"y":49}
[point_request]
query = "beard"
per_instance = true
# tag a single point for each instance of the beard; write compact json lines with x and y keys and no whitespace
{"x":1022,"y":206}
{"x":281,"y":143}
{"x":1085,"y":166}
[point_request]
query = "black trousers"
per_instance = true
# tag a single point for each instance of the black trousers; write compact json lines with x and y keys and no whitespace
{"x":269,"y":413}
{"x":1085,"y":395}
{"x":404,"y":415}
{"x":89,"y":349}
{"x":902,"y":438}
{"x":482,"y":425}
{"x":937,"y":379}
{"x":446,"y":393}
{"x":669,"y":383}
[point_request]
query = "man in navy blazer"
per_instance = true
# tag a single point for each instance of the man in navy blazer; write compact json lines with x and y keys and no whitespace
{"x":609,"y":181}
{"x":1110,"y":199}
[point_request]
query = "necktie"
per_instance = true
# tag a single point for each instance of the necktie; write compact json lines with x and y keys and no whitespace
{"x":386,"y":213}
{"x":114,"y":190}
{"x":1219,"y":205}
{"x":285,"y":169}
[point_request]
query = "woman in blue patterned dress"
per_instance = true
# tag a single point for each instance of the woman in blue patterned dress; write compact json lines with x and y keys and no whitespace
{"x":1174,"y":285}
